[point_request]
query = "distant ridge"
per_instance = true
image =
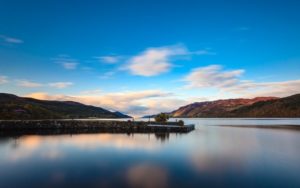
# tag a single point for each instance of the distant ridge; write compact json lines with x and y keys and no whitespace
{"x":14,"y":107}
{"x":256,"y":107}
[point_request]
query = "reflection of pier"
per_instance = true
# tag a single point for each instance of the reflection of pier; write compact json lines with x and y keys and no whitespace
{"x":173,"y":128}
{"x":162,"y":136}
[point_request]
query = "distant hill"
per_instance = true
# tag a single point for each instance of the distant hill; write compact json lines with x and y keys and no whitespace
{"x":256,"y":107}
{"x":121,"y":115}
{"x":14,"y":107}
{"x":283,"y":107}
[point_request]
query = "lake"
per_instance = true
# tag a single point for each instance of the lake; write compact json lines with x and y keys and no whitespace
{"x":210,"y":156}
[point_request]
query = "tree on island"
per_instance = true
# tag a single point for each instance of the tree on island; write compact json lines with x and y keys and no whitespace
{"x":161,"y":118}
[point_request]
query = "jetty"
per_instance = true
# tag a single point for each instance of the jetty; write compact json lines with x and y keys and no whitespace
{"x":90,"y":126}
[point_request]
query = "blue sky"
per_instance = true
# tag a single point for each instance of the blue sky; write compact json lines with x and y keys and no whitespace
{"x":143,"y":57}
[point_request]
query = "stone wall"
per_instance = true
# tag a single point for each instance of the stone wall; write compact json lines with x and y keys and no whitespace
{"x":97,"y":125}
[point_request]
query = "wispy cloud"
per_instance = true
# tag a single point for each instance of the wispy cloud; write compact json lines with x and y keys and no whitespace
{"x":111,"y":59}
{"x":92,"y":92}
{"x":60,"y":85}
{"x":69,"y":65}
{"x":107,"y":75}
{"x":204,"y":52}
{"x":3,"y":79}
{"x":10,"y":40}
{"x":67,"y":62}
{"x":230,"y":81}
{"x":212,"y":76}
{"x":279,"y":89}
{"x":29,"y":84}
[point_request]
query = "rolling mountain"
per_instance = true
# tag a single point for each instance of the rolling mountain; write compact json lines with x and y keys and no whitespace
{"x":257,"y":107}
{"x":283,"y":107}
{"x":14,"y":107}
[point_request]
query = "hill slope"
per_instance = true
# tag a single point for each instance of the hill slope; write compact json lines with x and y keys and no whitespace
{"x":14,"y":107}
{"x":218,"y":108}
{"x":257,"y":107}
{"x":283,"y":107}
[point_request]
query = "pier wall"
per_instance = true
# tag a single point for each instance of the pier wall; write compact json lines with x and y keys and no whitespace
{"x":90,"y":125}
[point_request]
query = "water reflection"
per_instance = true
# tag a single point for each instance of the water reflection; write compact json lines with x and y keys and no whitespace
{"x":162,"y":136}
{"x":53,"y":147}
{"x":210,"y":156}
{"x":147,"y":175}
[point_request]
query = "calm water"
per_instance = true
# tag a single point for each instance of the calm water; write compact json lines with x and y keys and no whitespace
{"x":210,"y":156}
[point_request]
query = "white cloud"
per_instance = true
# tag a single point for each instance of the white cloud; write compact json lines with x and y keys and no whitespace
{"x":212,"y":76}
{"x":229,"y":81}
{"x":107,"y":75}
{"x":10,"y":40}
{"x":69,"y":65}
{"x":204,"y":52}
{"x":3,"y":80}
{"x":278,"y":89}
{"x":112,"y":59}
{"x":29,"y":84}
{"x":60,"y":85}
{"x":154,"y":61}
{"x":91,"y":92}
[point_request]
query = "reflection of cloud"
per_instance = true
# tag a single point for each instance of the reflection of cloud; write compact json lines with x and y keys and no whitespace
{"x":147,"y":176}
{"x":29,"y":146}
{"x":224,"y":152}
{"x":31,"y":142}
{"x":220,"y":150}
{"x":121,"y":141}
{"x":52,"y":154}
{"x":24,"y":149}
{"x":50,"y":147}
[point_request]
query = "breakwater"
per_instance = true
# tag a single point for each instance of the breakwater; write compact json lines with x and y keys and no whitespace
{"x":74,"y":126}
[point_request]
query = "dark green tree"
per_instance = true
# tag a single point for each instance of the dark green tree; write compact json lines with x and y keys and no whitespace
{"x":161,"y":118}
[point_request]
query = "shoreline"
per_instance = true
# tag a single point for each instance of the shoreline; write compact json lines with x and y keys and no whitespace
{"x":294,"y":127}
